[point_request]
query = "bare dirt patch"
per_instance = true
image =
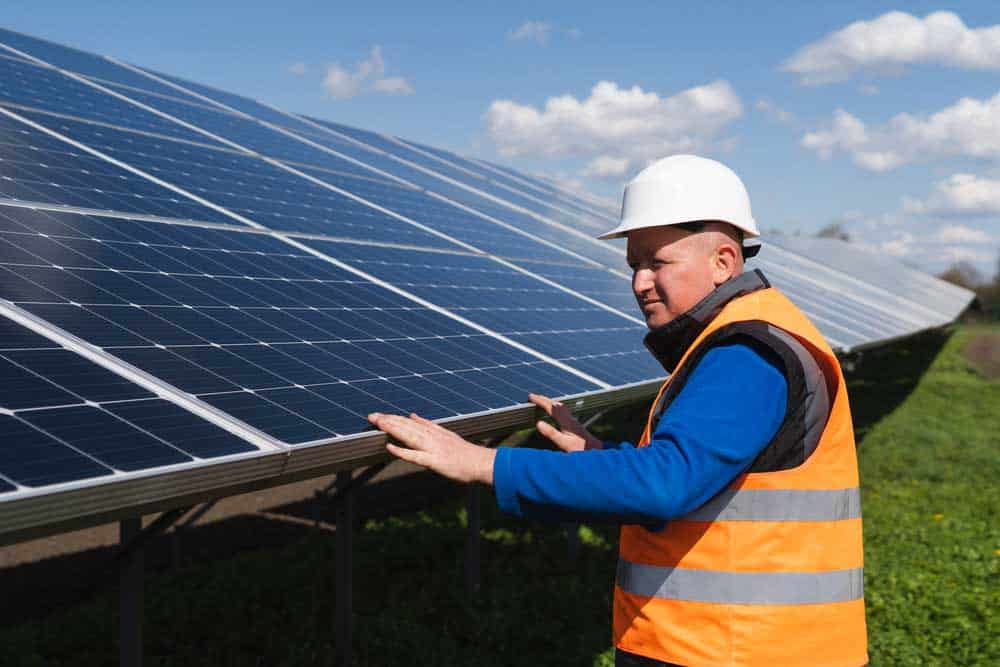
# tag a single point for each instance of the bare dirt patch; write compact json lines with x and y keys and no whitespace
{"x":983,"y":352}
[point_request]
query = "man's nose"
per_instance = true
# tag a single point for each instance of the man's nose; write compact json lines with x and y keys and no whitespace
{"x":642,"y":281}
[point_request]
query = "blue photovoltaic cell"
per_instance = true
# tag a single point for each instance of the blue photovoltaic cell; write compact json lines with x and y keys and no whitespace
{"x":845,"y":321}
{"x":33,"y":458}
{"x":589,"y":217}
{"x":238,"y":102}
{"x":248,"y":133}
{"x":585,"y":336}
{"x":174,"y":424}
{"x":446,"y":218}
{"x":247,"y":186}
{"x":106,"y":438}
{"x":35,"y":167}
{"x":595,"y":282}
{"x":907,"y":290}
{"x":599,"y":208}
{"x":53,"y":436}
{"x":77,"y":61}
{"x":598,"y":251}
{"x":273,"y":335}
{"x":547,"y":207}
{"x":43,"y":88}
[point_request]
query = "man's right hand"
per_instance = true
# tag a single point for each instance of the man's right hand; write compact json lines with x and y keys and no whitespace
{"x":573,"y":437}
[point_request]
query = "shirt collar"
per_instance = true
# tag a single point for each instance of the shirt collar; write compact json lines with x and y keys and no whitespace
{"x":669,"y":342}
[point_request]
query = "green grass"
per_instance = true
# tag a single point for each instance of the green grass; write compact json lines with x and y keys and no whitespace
{"x":929,"y":464}
{"x":931,"y":500}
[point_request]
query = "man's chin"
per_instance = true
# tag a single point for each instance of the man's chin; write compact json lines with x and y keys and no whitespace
{"x":657,"y":320}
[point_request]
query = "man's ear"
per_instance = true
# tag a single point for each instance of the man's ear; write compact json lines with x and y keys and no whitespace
{"x":725,"y":262}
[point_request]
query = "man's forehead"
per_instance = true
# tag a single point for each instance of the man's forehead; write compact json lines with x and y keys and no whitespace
{"x":651,"y":239}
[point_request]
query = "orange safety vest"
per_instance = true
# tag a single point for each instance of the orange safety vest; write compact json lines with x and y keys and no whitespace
{"x":769,"y":572}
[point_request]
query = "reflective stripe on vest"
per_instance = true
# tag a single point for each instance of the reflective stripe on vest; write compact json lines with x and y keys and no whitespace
{"x":784,"y":588}
{"x":780,"y":505}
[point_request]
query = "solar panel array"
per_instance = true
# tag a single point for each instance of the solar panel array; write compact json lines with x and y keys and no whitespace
{"x":192,"y":282}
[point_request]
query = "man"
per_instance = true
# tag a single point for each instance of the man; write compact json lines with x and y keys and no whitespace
{"x":741,"y":523}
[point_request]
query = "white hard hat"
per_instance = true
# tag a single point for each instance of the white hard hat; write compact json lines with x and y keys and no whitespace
{"x":684,"y":188}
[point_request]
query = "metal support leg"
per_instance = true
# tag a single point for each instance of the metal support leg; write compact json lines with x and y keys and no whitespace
{"x":130,"y":596}
{"x":343,"y":620}
{"x":472,"y":543}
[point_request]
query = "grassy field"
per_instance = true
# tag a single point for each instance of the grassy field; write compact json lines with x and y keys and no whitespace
{"x":930,"y":429}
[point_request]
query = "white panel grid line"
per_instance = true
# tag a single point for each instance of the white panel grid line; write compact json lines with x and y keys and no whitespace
{"x":287,"y":383}
{"x":485,"y":195}
{"x":448,"y":313}
{"x":574,"y":198}
{"x":321,"y":183}
{"x":900,"y":314}
{"x":287,"y":164}
{"x":403,"y":143}
{"x":301,"y":174}
{"x":139,"y":377}
{"x":243,"y":228}
{"x":851,"y":279}
{"x":127,"y":167}
{"x":113,"y":126}
{"x":317,"y":181}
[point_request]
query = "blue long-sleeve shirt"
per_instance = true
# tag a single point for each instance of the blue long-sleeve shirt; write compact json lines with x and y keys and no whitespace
{"x":730,"y":408}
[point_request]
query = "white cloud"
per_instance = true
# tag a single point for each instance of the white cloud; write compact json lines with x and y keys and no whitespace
{"x":960,"y":194}
{"x":970,"y":128}
{"x":606,"y":166}
{"x":367,"y":76}
{"x":958,"y":220}
{"x":531,"y":31}
{"x":868,"y":89}
{"x":393,"y":85}
{"x":892,"y":41}
{"x":615,"y":129}
{"x":962,"y":234}
{"x":770,"y":109}
{"x":298,"y":69}
{"x":844,"y":132}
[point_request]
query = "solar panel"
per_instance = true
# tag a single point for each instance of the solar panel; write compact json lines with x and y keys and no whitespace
{"x":201,"y":294}
{"x":67,"y":419}
{"x":931,"y":301}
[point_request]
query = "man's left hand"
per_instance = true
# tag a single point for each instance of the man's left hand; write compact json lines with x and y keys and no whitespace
{"x":435,"y":447}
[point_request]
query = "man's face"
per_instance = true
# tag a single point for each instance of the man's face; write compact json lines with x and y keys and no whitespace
{"x":672,"y":270}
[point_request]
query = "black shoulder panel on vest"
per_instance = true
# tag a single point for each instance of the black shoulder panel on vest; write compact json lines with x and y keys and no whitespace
{"x":808,"y":403}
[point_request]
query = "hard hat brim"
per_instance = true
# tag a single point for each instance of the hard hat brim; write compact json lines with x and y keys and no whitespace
{"x":630,"y":224}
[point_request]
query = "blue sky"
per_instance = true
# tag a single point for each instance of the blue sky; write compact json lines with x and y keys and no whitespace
{"x":890,"y":126}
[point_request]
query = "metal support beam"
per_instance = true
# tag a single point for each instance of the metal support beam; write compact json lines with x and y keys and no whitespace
{"x":336,"y":489}
{"x":182,"y":526}
{"x":344,"y":613}
{"x":472,"y":543}
{"x":130,"y":586}
{"x":137,"y":540}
